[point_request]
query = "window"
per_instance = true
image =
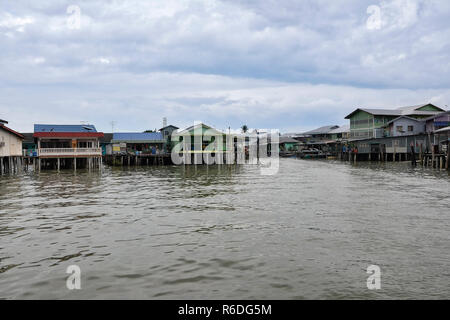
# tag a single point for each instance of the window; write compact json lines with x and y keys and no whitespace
{"x":410,"y":128}
{"x":84,"y":144}
{"x":399,"y":128}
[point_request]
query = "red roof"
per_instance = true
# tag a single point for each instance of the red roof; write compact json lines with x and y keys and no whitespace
{"x":68,"y":135}
{"x":12,"y":131}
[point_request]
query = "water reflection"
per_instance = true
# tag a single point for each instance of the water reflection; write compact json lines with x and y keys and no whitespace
{"x":227,"y":232}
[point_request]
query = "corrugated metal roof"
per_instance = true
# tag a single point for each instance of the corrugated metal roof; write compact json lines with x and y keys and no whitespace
{"x":322,"y":130}
{"x":401,"y":111}
{"x":414,"y":108}
{"x":341,"y":129}
{"x":446,"y":129}
{"x":284,"y":139}
{"x":64,"y":128}
{"x":403,"y":117}
{"x":137,"y":136}
{"x":437,"y":115}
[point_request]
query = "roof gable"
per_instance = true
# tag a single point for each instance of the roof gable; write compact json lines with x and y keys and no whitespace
{"x":404,"y":117}
{"x":192,"y":130}
{"x":376,"y":112}
{"x":2,"y":126}
{"x":284,"y":139}
{"x":169,"y":126}
{"x":421,"y":107}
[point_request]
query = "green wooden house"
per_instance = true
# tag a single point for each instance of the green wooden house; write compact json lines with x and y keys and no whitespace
{"x":370,"y":123}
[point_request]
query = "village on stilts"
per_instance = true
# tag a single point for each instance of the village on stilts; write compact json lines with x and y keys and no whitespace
{"x":419,"y":134}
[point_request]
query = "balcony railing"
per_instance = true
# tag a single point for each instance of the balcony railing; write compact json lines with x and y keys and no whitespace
{"x":29,"y":153}
{"x":69,"y":152}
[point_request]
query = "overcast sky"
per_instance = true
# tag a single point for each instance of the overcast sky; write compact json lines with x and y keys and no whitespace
{"x":286,"y":64}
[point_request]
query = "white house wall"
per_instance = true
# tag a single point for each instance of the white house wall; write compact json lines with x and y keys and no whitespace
{"x":13,"y":144}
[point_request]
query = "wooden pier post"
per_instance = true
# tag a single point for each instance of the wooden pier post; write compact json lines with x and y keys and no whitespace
{"x":433,"y":157}
{"x":448,"y":157}
{"x":432,"y":150}
{"x":413,"y":156}
{"x":421,"y":155}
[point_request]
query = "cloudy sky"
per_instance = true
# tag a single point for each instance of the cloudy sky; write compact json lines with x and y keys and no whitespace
{"x":286,"y":64}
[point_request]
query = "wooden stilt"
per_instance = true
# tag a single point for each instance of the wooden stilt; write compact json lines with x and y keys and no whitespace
{"x":448,"y":157}
{"x":421,"y":155}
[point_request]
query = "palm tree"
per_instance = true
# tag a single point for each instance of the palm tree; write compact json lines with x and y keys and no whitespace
{"x":244,"y":128}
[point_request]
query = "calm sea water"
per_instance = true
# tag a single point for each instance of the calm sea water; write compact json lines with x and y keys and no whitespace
{"x":227,"y":232}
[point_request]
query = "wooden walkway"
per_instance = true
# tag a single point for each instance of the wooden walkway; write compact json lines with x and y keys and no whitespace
{"x":138,"y":160}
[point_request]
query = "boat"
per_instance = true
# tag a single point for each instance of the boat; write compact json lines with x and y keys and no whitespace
{"x":312,"y":153}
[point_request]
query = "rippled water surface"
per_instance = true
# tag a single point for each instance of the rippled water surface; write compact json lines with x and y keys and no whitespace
{"x":311,"y":231}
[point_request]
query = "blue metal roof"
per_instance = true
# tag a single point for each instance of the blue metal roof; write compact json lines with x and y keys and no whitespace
{"x":64,"y":128}
{"x":138,"y":136}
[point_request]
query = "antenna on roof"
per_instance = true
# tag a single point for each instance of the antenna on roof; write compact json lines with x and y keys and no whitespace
{"x":112,"y":123}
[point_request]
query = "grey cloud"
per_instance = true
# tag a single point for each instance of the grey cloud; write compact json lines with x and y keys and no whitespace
{"x":230,"y":61}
